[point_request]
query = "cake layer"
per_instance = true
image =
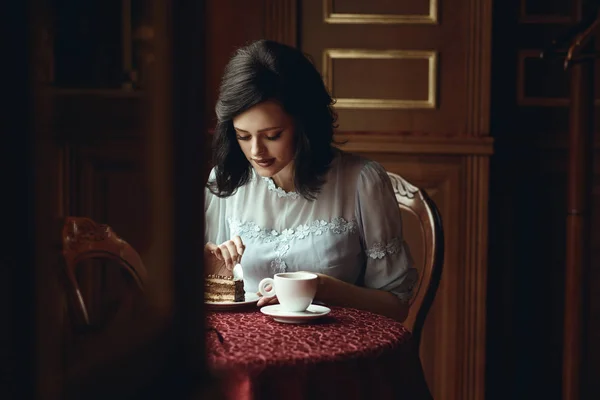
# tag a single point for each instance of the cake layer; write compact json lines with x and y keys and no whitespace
{"x":221,"y":289}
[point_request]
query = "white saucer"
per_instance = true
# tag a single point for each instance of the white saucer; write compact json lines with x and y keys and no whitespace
{"x":292,"y":317}
{"x":250,"y":298}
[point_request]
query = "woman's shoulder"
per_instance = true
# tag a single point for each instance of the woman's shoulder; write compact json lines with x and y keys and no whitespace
{"x":212,"y":175}
{"x":211,"y":181}
{"x":359,"y":167}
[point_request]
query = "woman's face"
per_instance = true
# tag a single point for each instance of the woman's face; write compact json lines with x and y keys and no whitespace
{"x":265,"y":133}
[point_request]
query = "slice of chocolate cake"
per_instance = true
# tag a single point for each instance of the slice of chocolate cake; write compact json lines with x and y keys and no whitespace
{"x":220,"y":289}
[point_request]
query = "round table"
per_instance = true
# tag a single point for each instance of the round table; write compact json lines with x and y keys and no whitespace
{"x":350,"y":354}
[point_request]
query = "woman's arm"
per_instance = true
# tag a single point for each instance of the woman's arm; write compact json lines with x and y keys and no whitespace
{"x":335,"y":292}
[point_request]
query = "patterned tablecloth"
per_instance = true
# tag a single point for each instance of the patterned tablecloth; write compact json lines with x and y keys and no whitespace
{"x":349,"y":354}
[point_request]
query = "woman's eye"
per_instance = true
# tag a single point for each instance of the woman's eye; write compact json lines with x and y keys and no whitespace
{"x":275,"y":137}
{"x":243,"y":137}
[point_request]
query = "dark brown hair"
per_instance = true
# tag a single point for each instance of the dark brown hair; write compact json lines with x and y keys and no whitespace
{"x":267,"y":70}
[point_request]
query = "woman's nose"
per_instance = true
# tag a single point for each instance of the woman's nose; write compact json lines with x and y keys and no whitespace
{"x":257,"y":147}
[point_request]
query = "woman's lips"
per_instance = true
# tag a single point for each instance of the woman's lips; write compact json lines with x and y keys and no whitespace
{"x":264,"y":163}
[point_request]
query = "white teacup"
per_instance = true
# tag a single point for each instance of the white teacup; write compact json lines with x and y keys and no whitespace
{"x":295,"y":290}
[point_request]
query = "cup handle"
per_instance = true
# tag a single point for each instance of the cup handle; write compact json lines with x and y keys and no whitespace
{"x":262,"y":287}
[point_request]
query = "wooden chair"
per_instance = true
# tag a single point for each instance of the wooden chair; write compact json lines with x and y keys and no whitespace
{"x":416,"y":201}
{"x":83,"y":240}
{"x":109,"y":347}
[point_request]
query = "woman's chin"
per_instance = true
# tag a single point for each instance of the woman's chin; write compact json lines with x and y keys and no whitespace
{"x":267,"y":172}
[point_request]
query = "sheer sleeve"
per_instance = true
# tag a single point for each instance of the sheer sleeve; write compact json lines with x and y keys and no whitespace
{"x":216,"y":229}
{"x":389,"y":265}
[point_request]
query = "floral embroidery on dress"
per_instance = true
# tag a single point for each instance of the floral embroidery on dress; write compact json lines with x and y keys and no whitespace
{"x":380,"y":249}
{"x":282,"y":239}
{"x":279,"y":191}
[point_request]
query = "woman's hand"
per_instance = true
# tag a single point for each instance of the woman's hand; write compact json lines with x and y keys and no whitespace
{"x":229,"y":252}
{"x":265,"y":301}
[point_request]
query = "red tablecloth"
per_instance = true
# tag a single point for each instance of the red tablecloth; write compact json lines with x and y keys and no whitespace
{"x":349,"y":354}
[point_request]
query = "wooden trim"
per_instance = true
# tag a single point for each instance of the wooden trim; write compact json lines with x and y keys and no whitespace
{"x":479,"y":67}
{"x":364,"y":142}
{"x":578,"y":226}
{"x":383,"y":104}
{"x":525,"y":18}
{"x":542,"y":140}
{"x":536,"y":101}
{"x":108,"y":93}
{"x":281,"y":21}
{"x":331,"y":17}
{"x":472,"y":360}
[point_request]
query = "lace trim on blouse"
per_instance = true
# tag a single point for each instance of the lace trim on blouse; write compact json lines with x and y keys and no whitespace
{"x":282,"y":239}
{"x":279,"y":191}
{"x":380,"y":249}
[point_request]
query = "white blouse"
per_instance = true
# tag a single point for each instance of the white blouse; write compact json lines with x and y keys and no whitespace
{"x":352,"y":231}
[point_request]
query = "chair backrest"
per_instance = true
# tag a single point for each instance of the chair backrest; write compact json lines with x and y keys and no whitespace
{"x":84,"y":239}
{"x":417,"y":202}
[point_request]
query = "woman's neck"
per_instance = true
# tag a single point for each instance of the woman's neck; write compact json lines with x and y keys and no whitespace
{"x":285,"y":178}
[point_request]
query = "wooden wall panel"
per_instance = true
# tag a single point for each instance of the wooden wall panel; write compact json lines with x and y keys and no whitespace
{"x":280,"y":22}
{"x":442,"y":177}
{"x":398,"y":79}
{"x":527,"y":247}
{"x":108,"y":184}
{"x":549,"y":12}
{"x":527,"y":261}
{"x":102,"y":151}
{"x":424,"y":11}
{"x":230,"y":25}
{"x":460,"y":83}
{"x":593,"y":317}
{"x":453,"y":344}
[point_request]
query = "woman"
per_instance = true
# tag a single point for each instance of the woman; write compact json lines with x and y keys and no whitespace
{"x":285,"y":198}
